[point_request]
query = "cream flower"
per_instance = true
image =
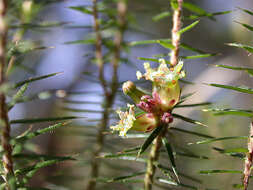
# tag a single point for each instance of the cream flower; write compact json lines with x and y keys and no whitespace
{"x":126,"y":121}
{"x":145,"y":122}
{"x":166,"y":90}
{"x":162,"y":75}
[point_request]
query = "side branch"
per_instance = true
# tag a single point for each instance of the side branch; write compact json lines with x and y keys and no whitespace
{"x":109,"y":96}
{"x":5,"y":125}
{"x":122,"y":10}
{"x":175,"y":36}
{"x":248,"y":160}
{"x":153,"y":157}
{"x":98,"y":44}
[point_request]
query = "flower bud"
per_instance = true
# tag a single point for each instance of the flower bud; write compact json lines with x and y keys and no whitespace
{"x":167,"y":118}
{"x":132,"y":91}
{"x":27,"y":8}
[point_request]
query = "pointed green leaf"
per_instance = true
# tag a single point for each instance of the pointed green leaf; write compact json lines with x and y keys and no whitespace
{"x":179,"y":173}
{"x":193,"y":105}
{"x":81,"y":110}
{"x":106,"y":155}
{"x":131,"y":149}
{"x":235,"y":88}
{"x":200,"y":56}
{"x":166,"y":44}
{"x":171,"y":182}
{"x":35,"y":79}
{"x":37,"y":166}
{"x":184,"y":97}
{"x":246,"y":47}
{"x":219,"y":171}
{"x":185,"y":29}
{"x":82,"y":9}
{"x":18,"y":96}
{"x":209,"y":15}
{"x":235,"y":152}
{"x":191,"y":155}
{"x":248,"y":70}
{"x":246,"y":11}
{"x":189,"y":120}
{"x":80,"y":102}
{"x":151,"y":59}
{"x":29,"y":135}
{"x":32,"y":188}
{"x":121,"y":178}
{"x":168,"y":181}
{"x":41,"y":157}
{"x":186,"y":82}
{"x":191,"y":132}
{"x":88,"y":41}
{"x":161,"y":16}
{"x":137,"y":136}
{"x":220,"y":112}
{"x":130,"y":158}
{"x":250,"y":28}
{"x":190,"y":48}
{"x":165,"y":171}
{"x":169,"y":149}
{"x":38,"y":120}
{"x":194,"y":8}
{"x":145,"y":42}
{"x":150,"y":139}
{"x":220,"y":139}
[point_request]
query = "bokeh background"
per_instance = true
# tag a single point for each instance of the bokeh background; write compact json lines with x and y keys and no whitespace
{"x":75,"y":59}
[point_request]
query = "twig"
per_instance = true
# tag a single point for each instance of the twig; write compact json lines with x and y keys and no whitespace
{"x":153,"y":157}
{"x":26,"y":6}
{"x":98,"y":53}
{"x":5,"y":125}
{"x":248,"y":160}
{"x":109,"y":96}
{"x":154,"y":153}
{"x":175,"y":36}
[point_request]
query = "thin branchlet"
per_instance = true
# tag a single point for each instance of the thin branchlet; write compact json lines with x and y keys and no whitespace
{"x":18,"y":35}
{"x":109,"y":95}
{"x":154,"y":153}
{"x":153,"y":157}
{"x":122,"y":10}
{"x":175,"y":36}
{"x":98,"y":44}
{"x":249,"y":160}
{"x":5,"y":125}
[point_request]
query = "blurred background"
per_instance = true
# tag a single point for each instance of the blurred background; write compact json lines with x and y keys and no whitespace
{"x":75,"y":61}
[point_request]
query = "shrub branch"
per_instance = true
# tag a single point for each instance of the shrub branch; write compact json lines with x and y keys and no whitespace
{"x":175,"y":36}
{"x":154,"y":153}
{"x":153,"y":157}
{"x":109,"y":96}
{"x":248,"y":160}
{"x":5,"y":125}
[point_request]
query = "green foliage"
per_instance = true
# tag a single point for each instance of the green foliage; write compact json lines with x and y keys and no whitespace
{"x":115,"y":163}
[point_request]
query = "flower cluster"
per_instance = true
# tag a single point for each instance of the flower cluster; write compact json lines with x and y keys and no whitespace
{"x":157,"y":106}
